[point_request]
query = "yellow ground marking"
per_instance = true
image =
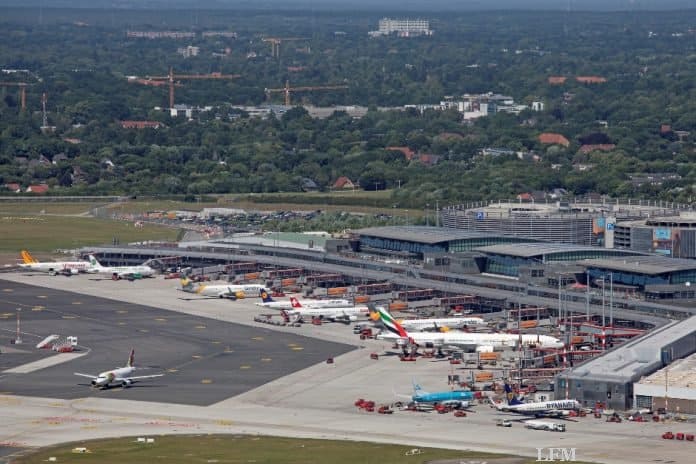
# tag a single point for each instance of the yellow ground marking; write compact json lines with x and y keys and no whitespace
{"x":223,"y":422}
{"x":77,"y":302}
{"x":229,"y":350}
{"x":216,"y":342}
{"x":257,"y":338}
{"x":200,"y":327}
{"x":292,"y":344}
{"x":160,"y":319}
{"x":66,"y":316}
{"x":143,"y":330}
{"x":120,"y":323}
{"x":88,"y":427}
{"x":41,"y":296}
{"x":172,"y":370}
{"x":297,"y":348}
{"x":122,"y":311}
{"x":245,"y":367}
{"x":266,"y":360}
{"x":206,"y":381}
{"x":38,"y":308}
{"x":8,"y":290}
{"x":7,"y":314}
{"x":196,"y":356}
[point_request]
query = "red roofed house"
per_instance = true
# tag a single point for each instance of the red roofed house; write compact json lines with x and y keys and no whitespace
{"x":591,"y":79}
{"x":40,"y":188}
{"x":14,"y":187}
{"x":343,"y":183}
{"x":525,"y":197}
{"x":556,"y":80}
{"x":597,"y":147}
{"x":548,"y":138}
{"x":141,"y":124}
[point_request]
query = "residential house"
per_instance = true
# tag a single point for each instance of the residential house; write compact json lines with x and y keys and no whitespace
{"x":141,"y":124}
{"x":343,"y":183}
{"x":39,"y":188}
{"x":548,"y":138}
{"x":13,"y":187}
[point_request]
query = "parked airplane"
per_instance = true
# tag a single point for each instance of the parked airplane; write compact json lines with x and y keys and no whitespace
{"x":440,"y":324}
{"x":456,"y":398}
{"x":338,"y":314}
{"x":555,"y":408}
{"x":544,"y":425}
{"x":118,"y":375}
{"x":55,"y":267}
{"x":480,"y":341}
{"x":233,"y":291}
{"x":122,"y":272}
{"x":293,"y":303}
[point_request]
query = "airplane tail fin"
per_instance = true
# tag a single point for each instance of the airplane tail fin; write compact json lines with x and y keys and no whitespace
{"x":390,"y":323}
{"x":186,"y":283}
{"x":93,"y":262}
{"x":417,"y":388}
{"x":265,"y":296}
{"x":27,"y":257}
{"x":510,"y":396}
{"x":130,"y":358}
{"x":295,"y":303}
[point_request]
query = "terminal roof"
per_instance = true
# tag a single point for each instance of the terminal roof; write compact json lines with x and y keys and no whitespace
{"x":643,"y":264}
{"x":529,"y":250}
{"x":428,"y":235}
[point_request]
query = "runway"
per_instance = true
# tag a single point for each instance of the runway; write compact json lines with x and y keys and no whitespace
{"x":204,"y":361}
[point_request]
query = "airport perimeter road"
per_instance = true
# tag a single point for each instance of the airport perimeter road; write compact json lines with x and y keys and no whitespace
{"x":315,"y":402}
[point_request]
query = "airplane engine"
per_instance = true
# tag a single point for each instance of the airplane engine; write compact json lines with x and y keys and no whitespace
{"x":74,"y":271}
{"x":484,"y":349}
{"x":352,"y":318}
{"x":239,"y":295}
{"x":126,"y":383}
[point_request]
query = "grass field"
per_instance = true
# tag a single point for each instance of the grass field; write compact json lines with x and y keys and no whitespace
{"x":245,"y":449}
{"x":46,"y":207}
{"x":42,"y":233}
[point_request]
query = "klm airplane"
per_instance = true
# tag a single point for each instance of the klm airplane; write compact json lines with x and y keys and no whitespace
{"x":458,"y":398}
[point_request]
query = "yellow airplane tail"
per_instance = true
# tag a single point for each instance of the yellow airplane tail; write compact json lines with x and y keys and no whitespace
{"x":28,"y":258}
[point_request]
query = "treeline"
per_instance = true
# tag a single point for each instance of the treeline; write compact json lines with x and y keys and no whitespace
{"x":645,"y":112}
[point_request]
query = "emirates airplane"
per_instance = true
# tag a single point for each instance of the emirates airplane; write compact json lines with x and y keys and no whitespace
{"x":118,"y":375}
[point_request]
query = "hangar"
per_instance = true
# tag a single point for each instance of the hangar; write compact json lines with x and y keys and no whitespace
{"x":610,"y":378}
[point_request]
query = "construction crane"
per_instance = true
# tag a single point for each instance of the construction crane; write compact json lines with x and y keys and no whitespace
{"x":276,"y":41}
{"x":287,"y":90}
{"x":22,"y":91}
{"x":172,"y":79}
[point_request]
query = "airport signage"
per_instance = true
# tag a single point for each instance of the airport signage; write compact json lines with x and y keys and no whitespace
{"x":555,"y":454}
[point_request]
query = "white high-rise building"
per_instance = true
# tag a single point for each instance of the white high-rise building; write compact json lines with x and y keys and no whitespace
{"x":403,"y":27}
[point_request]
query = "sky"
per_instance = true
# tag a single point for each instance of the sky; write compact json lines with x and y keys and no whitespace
{"x":382,"y":5}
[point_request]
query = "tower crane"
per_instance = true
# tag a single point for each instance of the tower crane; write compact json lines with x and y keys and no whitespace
{"x":22,"y":91}
{"x":172,"y":79}
{"x":287,"y":90}
{"x":276,"y":41}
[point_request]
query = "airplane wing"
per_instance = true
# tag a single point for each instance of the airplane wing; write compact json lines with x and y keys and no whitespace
{"x":139,"y":377}
{"x":89,"y":376}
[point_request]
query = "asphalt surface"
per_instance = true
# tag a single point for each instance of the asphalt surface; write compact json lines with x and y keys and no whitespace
{"x":204,"y":361}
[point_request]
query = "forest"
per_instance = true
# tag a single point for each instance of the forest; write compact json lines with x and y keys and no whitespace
{"x":629,"y":131}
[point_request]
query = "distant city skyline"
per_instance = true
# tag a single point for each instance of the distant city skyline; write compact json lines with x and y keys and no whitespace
{"x":369,"y":5}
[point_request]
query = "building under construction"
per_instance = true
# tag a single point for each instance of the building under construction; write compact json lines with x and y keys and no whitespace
{"x":672,"y":388}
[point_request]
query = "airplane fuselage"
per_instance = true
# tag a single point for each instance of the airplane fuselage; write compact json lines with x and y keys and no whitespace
{"x":475,"y":339}
{"x":441,"y":397}
{"x":450,"y":322}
